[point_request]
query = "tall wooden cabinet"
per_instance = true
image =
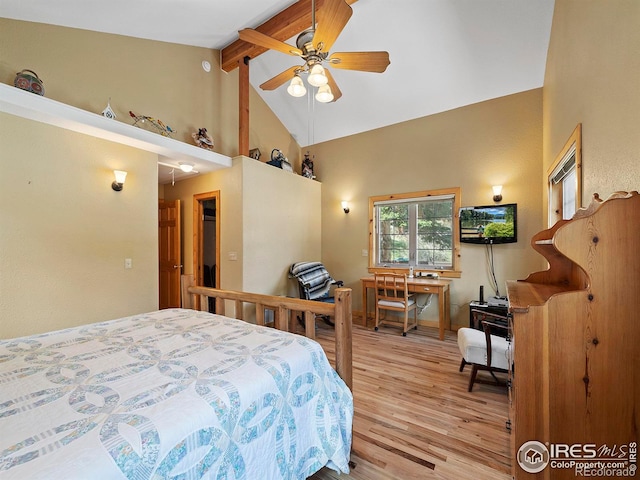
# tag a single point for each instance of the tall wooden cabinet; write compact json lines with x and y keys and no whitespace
{"x":576,"y":339}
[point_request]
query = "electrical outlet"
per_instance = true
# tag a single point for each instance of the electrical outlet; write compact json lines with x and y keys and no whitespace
{"x":365,"y":252}
{"x":128,"y":263}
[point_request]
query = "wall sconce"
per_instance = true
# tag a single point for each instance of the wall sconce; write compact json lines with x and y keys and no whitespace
{"x":121,"y":175}
{"x":497,"y":193}
{"x":345,"y":206}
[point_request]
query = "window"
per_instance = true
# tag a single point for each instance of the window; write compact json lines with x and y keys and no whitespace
{"x":417,"y":230}
{"x":565,"y":185}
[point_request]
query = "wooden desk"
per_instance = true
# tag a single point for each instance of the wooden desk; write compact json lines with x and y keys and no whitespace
{"x":419,"y":285}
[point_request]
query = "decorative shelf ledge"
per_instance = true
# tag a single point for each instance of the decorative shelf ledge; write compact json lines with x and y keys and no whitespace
{"x":41,"y":109}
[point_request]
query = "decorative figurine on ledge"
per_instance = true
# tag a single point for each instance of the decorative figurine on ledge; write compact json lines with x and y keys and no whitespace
{"x":307,"y":167}
{"x":28,"y":80}
{"x":203,"y":139}
{"x":255,"y":153}
{"x":108,"y":111}
{"x":279,"y":160}
{"x":156,"y":124}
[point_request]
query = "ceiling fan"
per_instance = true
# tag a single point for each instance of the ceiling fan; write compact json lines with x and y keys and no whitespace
{"x":313,"y":46}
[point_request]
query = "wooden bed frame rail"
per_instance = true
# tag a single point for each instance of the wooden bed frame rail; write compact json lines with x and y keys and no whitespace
{"x":284,"y":309}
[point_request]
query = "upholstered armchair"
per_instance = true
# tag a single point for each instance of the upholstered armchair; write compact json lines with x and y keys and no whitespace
{"x":484,"y":349}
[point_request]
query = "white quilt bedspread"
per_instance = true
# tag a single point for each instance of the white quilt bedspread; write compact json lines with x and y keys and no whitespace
{"x":170,"y":394}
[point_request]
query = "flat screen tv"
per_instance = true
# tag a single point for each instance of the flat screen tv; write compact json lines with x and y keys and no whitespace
{"x":489,"y":224}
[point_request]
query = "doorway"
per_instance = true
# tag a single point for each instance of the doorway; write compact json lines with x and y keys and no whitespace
{"x":206,"y":241}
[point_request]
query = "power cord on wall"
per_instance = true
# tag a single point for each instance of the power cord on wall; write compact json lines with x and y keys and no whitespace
{"x":427,"y":302}
{"x":491,"y":268}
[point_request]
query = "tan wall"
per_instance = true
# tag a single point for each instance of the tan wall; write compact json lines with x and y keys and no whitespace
{"x":266,"y":132}
{"x":475,"y":147}
{"x":269,"y":218}
{"x":229,"y":182}
{"x":86,"y":69}
{"x":282,"y":225}
{"x":162,"y":80}
{"x":591,"y":78}
{"x":64,"y":233}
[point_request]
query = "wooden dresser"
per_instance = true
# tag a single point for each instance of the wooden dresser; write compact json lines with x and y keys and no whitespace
{"x":576,"y":341}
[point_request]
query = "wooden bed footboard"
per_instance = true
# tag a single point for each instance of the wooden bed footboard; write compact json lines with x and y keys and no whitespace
{"x":284,"y":309}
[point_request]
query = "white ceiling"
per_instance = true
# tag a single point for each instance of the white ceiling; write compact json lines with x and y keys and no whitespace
{"x":444,"y":53}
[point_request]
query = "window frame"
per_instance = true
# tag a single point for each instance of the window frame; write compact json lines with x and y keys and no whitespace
{"x":454,"y":272}
{"x":571,"y":149}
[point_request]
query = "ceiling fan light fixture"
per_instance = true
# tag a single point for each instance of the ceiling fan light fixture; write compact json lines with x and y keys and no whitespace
{"x":317,"y":77}
{"x":324,"y":94}
{"x":296,"y":88}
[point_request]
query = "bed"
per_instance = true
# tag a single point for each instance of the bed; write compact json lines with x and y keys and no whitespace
{"x":175,"y":393}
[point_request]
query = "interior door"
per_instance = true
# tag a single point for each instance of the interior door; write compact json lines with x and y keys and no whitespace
{"x":169,"y":253}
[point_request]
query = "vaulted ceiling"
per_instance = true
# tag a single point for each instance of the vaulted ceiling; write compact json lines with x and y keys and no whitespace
{"x":444,"y":53}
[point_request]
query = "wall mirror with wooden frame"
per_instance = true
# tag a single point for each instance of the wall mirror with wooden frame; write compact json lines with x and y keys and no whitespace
{"x":565,"y":179}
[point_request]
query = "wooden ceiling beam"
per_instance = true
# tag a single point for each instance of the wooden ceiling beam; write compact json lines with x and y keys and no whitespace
{"x":283,"y":26}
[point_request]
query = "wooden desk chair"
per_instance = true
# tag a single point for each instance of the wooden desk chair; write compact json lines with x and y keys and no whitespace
{"x":483,"y":350}
{"x":392,"y":294}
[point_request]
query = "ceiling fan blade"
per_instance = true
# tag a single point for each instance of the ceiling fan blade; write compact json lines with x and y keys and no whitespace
{"x":332,"y":17}
{"x":279,"y":79}
{"x":333,"y":85}
{"x":262,"y":40}
{"x":362,"y":61}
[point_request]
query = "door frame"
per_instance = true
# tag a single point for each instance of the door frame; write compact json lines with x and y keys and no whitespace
{"x":198,"y":236}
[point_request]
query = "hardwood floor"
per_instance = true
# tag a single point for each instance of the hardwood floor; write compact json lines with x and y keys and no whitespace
{"x":414,"y":418}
